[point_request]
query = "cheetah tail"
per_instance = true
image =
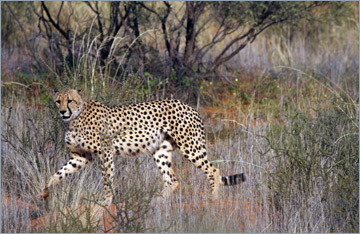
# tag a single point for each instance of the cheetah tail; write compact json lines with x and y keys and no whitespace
{"x":233,"y":179}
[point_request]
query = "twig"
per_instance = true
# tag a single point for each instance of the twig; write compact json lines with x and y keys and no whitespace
{"x":345,"y":136}
{"x":215,"y":161}
{"x":20,"y":84}
{"x":24,"y":33}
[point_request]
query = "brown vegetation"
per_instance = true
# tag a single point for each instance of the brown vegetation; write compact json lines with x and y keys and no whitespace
{"x":103,"y":217}
{"x":284,"y":110}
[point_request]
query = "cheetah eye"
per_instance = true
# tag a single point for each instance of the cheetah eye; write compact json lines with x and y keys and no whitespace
{"x":58,"y":101}
{"x":69,"y":101}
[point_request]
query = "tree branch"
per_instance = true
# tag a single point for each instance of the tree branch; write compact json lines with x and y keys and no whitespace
{"x":25,"y":36}
{"x":193,"y":10}
{"x":58,"y":14}
{"x":57,"y":26}
{"x":97,"y":17}
{"x":221,"y":58}
{"x":163,"y":20}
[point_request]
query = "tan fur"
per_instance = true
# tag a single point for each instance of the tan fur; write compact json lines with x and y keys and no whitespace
{"x":152,"y":128}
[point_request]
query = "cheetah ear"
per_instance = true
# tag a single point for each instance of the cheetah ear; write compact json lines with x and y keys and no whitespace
{"x":80,"y":92}
{"x":54,"y":92}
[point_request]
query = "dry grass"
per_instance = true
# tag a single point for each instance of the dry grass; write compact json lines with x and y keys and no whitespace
{"x":31,"y":153}
{"x":298,"y":179}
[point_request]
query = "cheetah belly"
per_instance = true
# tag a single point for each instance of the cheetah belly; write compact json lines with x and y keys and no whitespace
{"x":130,"y":145}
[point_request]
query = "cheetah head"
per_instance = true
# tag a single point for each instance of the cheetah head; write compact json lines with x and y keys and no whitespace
{"x":69,"y":102}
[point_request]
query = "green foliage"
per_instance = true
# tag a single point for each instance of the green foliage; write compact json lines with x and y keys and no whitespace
{"x":150,"y":86}
{"x":10,"y":33}
{"x":254,"y":13}
{"x":318,"y":156}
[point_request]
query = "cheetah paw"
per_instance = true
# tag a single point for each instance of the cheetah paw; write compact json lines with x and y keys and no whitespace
{"x":45,"y":194}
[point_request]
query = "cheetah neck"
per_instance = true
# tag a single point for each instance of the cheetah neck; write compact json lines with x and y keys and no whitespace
{"x":77,"y":112}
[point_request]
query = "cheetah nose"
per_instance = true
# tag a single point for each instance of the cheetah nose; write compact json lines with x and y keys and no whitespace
{"x":62,"y":112}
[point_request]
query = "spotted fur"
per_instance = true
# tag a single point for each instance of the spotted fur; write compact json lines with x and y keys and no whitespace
{"x":154,"y":128}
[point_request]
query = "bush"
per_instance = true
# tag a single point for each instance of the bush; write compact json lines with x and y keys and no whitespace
{"x":316,"y":167}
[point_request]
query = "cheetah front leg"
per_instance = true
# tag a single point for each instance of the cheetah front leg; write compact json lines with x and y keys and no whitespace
{"x":76,"y":163}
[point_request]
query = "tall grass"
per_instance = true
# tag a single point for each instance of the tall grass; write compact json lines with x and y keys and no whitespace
{"x":291,"y":127}
{"x":302,"y":175}
{"x":314,"y":178}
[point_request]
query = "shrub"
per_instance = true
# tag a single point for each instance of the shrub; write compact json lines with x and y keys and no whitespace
{"x":316,"y":167}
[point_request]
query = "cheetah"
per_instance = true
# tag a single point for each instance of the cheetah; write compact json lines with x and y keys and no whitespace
{"x":154,"y":128}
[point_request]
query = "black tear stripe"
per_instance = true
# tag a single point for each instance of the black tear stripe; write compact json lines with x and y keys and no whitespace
{"x":69,"y":109}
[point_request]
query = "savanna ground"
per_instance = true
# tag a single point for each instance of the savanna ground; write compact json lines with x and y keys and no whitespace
{"x":285,"y":113}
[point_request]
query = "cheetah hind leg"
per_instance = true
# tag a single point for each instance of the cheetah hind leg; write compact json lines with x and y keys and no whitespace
{"x":199,"y":160}
{"x":162,"y":158}
{"x":108,"y":177}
